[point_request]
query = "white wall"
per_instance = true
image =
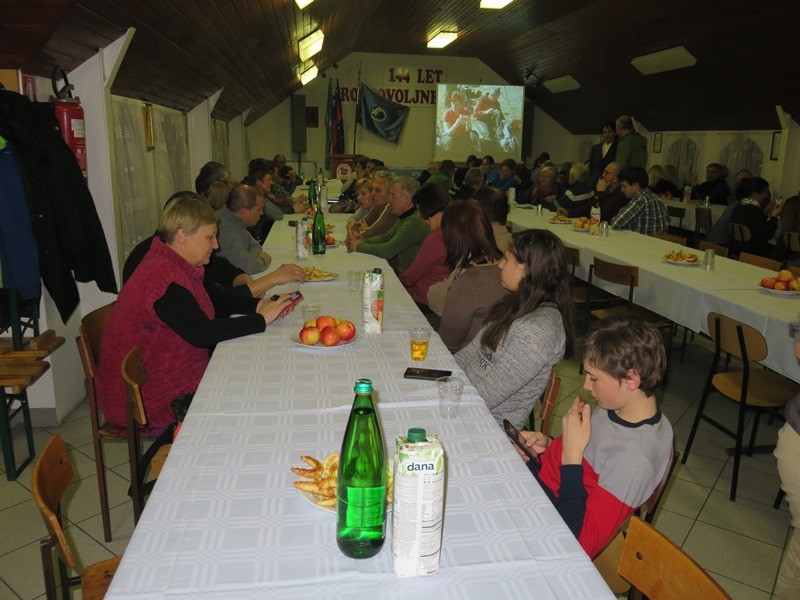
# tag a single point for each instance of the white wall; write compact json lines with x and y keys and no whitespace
{"x":271,"y":133}
{"x":549,"y":136}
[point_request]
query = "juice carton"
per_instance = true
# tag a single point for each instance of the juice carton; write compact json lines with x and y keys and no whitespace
{"x":372,"y":301}
{"x":418,"y":504}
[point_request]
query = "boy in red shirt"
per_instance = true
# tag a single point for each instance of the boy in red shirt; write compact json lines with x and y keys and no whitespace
{"x":604,"y":466}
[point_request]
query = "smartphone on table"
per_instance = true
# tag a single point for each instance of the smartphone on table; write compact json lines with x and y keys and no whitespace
{"x":426,"y":374}
{"x":295,"y":298}
{"x":519,"y":441}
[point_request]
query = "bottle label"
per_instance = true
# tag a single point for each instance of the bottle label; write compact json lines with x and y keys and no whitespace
{"x":365,"y":506}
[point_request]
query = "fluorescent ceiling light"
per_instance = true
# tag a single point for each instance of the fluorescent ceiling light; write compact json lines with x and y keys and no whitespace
{"x":441,"y":39}
{"x":311,"y":45}
{"x":495,"y":3}
{"x":308,"y":75}
{"x":666,"y":60}
{"x":303,"y":3}
{"x":567,"y":83}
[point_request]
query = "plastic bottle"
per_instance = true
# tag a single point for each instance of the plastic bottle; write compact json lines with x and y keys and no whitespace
{"x":361,"y":489}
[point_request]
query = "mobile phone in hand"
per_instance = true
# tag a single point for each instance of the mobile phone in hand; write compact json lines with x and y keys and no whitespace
{"x":293,"y":300}
{"x":516,"y":438}
{"x":426,"y":374}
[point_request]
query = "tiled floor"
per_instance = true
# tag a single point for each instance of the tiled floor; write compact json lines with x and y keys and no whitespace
{"x":740,"y":543}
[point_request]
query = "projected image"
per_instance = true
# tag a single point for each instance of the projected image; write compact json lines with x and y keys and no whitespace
{"x":478,"y":119}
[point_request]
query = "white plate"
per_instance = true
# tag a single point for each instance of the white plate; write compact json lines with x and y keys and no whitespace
{"x":784,"y":293}
{"x":331,"y":278}
{"x":678,"y":263}
{"x":312,"y":499}
{"x":581,"y":230}
{"x":295,"y":339}
{"x":570,"y":222}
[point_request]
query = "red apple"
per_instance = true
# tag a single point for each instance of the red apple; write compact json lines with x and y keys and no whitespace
{"x":346,"y":330}
{"x":794,"y":284}
{"x":768,"y":282}
{"x":329,"y":336}
{"x":325,"y":321}
{"x":309,"y":335}
{"x":782,"y":286}
{"x":329,"y":240}
{"x":785,"y":275}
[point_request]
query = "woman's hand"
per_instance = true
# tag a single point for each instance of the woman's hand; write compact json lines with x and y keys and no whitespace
{"x":271,"y":309}
{"x":287,"y":273}
{"x":576,"y":429}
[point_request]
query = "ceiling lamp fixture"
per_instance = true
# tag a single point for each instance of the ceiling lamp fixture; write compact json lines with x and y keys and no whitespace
{"x":567,"y":83}
{"x":311,"y":45}
{"x":496,"y":4}
{"x":308,"y":75}
{"x":302,"y":3}
{"x":441,"y":39}
{"x":665,"y":60}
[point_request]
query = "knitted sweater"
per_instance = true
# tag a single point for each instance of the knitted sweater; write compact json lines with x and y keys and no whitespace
{"x":512,"y":378}
{"x":401,"y":243}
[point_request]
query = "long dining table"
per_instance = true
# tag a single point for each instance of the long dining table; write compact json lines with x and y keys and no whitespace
{"x":686,"y":294}
{"x":225,"y":522}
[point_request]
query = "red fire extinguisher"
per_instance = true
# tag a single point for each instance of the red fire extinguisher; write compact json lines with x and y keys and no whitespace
{"x":70,"y":117}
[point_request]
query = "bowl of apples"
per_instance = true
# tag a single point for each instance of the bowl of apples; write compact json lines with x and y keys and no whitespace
{"x":326,"y":332}
{"x":784,"y":283}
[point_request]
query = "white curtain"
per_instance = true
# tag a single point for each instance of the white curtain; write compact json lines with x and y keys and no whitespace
{"x":138,"y":208}
{"x":220,"y":151}
{"x":741,"y":153}
{"x":683,"y":154}
{"x":171,"y":156}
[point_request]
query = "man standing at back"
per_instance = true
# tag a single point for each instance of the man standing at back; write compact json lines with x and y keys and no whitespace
{"x":631,"y":146}
{"x":244,"y":209}
{"x":603,"y":153}
{"x":645,"y":213}
{"x":401,"y":243}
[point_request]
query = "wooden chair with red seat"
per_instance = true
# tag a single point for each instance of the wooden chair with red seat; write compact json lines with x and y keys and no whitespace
{"x":680,"y":240}
{"x":760,"y":261}
{"x":660,"y":570}
{"x":89,"y":337}
{"x":51,"y":476}
{"x":718,"y":250}
{"x":547,"y":404}
{"x":755,"y":390}
{"x":145,"y":468}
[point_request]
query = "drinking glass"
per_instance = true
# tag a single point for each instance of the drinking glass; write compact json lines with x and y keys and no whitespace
{"x":708,"y":260}
{"x":419,"y":338}
{"x":311,"y":312}
{"x":450,"y":390}
{"x":354,"y":279}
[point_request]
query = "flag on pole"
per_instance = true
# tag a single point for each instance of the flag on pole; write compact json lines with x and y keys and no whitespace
{"x":334,"y":134}
{"x":380,"y":115}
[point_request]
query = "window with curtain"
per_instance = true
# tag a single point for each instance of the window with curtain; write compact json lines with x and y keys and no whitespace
{"x":682,"y":154}
{"x":171,"y":154}
{"x":220,"y":150}
{"x":742,"y":153}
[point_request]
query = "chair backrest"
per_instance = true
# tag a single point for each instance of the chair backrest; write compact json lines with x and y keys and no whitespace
{"x":549,"y":401}
{"x":651,"y":504}
{"x":135,"y":375}
{"x":90,"y":335}
{"x":702,"y":219}
{"x":668,"y":237}
{"x":676,"y":211}
{"x":573,"y":256}
{"x":740,"y":233}
{"x":718,"y":250}
{"x":616,"y":273}
{"x":661,"y":570}
{"x":759,"y":261}
{"x":791,"y":239}
{"x":726,"y":332}
{"x":51,"y":476}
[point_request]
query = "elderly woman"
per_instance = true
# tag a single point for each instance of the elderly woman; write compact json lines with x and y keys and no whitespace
{"x":165,"y":309}
{"x":429,"y":266}
{"x":545,"y":192}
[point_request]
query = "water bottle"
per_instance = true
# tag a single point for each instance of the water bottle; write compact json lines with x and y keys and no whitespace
{"x":361,"y":489}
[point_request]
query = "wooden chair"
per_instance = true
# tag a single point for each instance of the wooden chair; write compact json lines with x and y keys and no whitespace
{"x":668,"y":237}
{"x":757,"y":390}
{"x":760,"y":261}
{"x":607,"y":561}
{"x":660,"y":570}
{"x":90,"y":335}
{"x":702,"y":221}
{"x":677,"y":212}
{"x":740,"y":235}
{"x":51,"y":476}
{"x":146,"y":467}
{"x":547,"y":403}
{"x":718,"y":250}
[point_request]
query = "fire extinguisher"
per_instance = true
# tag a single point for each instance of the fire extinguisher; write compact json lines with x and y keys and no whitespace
{"x":70,"y":117}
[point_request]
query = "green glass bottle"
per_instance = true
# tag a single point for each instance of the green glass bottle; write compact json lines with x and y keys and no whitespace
{"x":361,"y":490}
{"x":318,"y":232}
{"x":312,"y":192}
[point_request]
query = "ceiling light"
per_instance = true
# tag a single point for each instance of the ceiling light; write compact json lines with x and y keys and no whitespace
{"x":441,"y":39}
{"x":308,"y":75}
{"x":666,"y":60}
{"x":495,"y":3}
{"x":567,"y":83}
{"x":311,"y":44}
{"x":302,"y":3}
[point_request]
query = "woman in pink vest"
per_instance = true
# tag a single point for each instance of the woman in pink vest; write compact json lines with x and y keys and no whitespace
{"x":165,"y":309}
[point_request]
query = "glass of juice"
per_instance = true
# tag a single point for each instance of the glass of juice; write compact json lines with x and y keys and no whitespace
{"x":419,"y":338}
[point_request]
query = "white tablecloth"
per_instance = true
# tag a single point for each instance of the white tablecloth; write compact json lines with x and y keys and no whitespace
{"x":225,"y":522}
{"x":689,"y":219}
{"x":686,"y":294}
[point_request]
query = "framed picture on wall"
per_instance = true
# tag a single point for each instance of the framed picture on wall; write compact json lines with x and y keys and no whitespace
{"x":774,"y":151}
{"x":658,"y":140}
